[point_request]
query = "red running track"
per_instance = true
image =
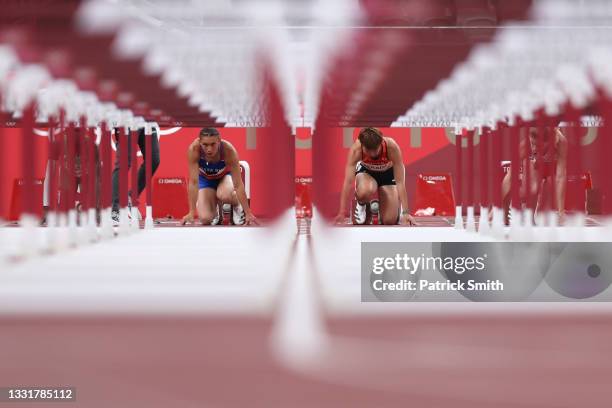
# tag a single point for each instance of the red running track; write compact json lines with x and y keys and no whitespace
{"x":509,"y":361}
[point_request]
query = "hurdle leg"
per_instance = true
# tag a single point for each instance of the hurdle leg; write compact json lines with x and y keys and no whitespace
{"x":92,"y":179}
{"x":516,"y":221}
{"x":483,"y":223}
{"x":71,"y":187}
{"x":62,"y":180}
{"x":458,"y":180}
{"x":133,"y":168}
{"x":497,"y":225}
{"x":28,"y":219}
{"x":50,"y":191}
{"x":528,"y":212}
{"x":84,"y":180}
{"x":470,"y":223}
{"x":106,"y":170}
{"x":123,"y":152}
{"x":149,"y":134}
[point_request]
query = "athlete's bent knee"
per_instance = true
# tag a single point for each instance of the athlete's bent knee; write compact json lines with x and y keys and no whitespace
{"x":363,"y":194}
{"x":224,"y":196}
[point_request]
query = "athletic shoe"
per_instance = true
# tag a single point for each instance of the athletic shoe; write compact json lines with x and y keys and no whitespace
{"x":129,"y":207}
{"x":115,"y":218}
{"x":217,"y":219}
{"x":138,"y":214}
{"x":43,"y":220}
{"x":238,"y":216}
{"x":359,"y":216}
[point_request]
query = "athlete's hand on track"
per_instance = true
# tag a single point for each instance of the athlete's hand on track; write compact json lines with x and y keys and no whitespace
{"x":250,"y":219}
{"x":340,"y":219}
{"x":406,"y":219}
{"x":188,"y":219}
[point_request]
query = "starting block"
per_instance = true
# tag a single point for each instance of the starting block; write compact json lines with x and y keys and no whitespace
{"x":303,"y":194}
{"x":372,"y":212}
{"x":434,"y":195}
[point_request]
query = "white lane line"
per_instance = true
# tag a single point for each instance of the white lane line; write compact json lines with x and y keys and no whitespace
{"x":299,"y":335}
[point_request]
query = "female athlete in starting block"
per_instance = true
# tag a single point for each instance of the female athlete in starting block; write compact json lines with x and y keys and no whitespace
{"x":545,"y":153}
{"x":375,"y":164}
{"x":214,"y":174}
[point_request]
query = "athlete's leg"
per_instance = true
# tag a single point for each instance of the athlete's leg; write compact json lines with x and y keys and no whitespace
{"x":545,"y":201}
{"x":225,"y":191}
{"x":116,"y":172}
{"x":534,"y":191}
{"x":227,"y":194}
{"x":207,"y":205}
{"x":389,"y":204}
{"x":142,"y":171}
{"x":365,"y":187}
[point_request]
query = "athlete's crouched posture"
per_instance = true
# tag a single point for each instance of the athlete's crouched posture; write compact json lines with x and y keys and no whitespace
{"x":214,"y":173}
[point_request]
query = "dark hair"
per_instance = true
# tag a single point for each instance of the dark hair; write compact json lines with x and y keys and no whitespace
{"x":209,"y":132}
{"x":370,"y":138}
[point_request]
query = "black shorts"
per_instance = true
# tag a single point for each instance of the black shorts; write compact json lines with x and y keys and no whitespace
{"x":383,"y":178}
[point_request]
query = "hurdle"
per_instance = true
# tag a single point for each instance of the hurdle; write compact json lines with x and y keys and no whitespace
{"x":76,"y":188}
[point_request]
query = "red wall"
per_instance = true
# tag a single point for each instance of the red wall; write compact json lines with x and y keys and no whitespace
{"x":436,"y":154}
{"x":11,"y":163}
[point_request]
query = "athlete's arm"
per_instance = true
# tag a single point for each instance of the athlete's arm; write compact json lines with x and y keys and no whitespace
{"x":232,"y":161}
{"x":349,"y":179}
{"x":192,"y":188}
{"x":395,"y":155}
{"x":561,"y":171}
